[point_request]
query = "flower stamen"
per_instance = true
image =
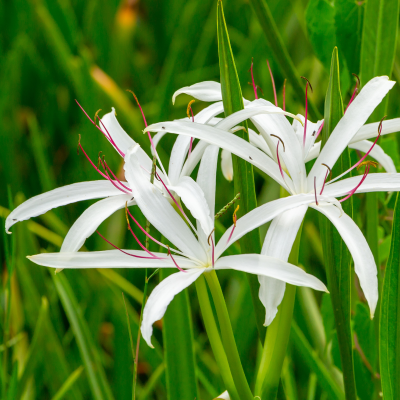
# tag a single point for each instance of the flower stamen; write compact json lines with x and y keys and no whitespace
{"x":172,"y":258}
{"x":358,"y":84}
{"x":315,"y":190}
{"x":189,"y":109}
{"x":306,"y":112}
{"x":277,"y":155}
{"x":252,"y":79}
{"x":329,"y":171}
{"x":234,"y":217}
{"x":273,"y":84}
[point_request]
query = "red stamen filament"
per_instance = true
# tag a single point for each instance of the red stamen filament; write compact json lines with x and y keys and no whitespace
{"x":112,"y":173}
{"x":174,"y":200}
{"x":234,"y":224}
{"x":284,"y":95}
{"x":305,"y":119}
{"x":252,"y":80}
{"x":326,"y":175}
{"x":355,"y":189}
{"x":273,"y":84}
{"x":106,"y":175}
{"x":122,"y":251}
{"x":141,"y":245}
{"x":107,"y":135}
{"x":354,"y":92}
{"x":319,"y":130}
{"x":176,"y":265}
{"x":315,"y":190}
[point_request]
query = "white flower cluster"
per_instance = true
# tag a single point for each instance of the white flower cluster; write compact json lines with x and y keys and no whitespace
{"x":195,"y":249}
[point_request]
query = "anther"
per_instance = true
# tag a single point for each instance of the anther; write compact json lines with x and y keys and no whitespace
{"x":303,"y":77}
{"x":329,"y":171}
{"x":97,"y":115}
{"x":283,"y":144}
{"x":189,"y":109}
{"x":209,"y":237}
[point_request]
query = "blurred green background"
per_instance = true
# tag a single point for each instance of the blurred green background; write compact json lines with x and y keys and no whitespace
{"x":53,"y":52}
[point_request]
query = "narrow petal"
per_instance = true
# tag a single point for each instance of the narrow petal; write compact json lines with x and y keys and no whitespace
{"x":369,"y":131}
{"x":262,"y":215}
{"x":158,"y":210}
{"x":177,"y":158}
{"x":226,"y":164}
{"x":91,"y":218}
{"x":162,"y":295}
{"x":193,"y":198}
{"x":60,"y":197}
{"x":204,"y":91}
{"x":383,"y":182}
{"x":109,"y":259}
{"x":207,"y":176}
{"x":377,"y":153}
{"x":208,"y":113}
{"x":272,"y":267}
{"x":364,"y":263}
{"x":227,"y":141}
{"x":259,"y":141}
{"x":278,"y":243}
{"x":356,"y":116}
{"x":194,"y":158}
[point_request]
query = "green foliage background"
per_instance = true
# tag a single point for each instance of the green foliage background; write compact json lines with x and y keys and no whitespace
{"x":52,"y":52}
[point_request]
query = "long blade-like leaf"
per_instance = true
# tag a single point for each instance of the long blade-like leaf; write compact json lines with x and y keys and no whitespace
{"x":389,"y":340}
{"x":337,"y":258}
{"x":242,"y":170}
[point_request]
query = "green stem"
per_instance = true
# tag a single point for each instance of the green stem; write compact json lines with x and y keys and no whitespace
{"x":277,"y":338}
{"x":214,"y":337}
{"x":228,"y":339}
{"x":274,"y":351}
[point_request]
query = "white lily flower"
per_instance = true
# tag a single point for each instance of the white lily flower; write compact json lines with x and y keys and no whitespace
{"x":306,"y":191}
{"x":196,"y":255}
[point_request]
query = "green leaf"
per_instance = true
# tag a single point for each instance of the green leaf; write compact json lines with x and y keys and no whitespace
{"x":68,"y":384}
{"x":242,"y":170}
{"x":338,"y":261}
{"x":13,"y":386}
{"x":309,"y":357}
{"x":90,"y":356}
{"x":389,"y":338}
{"x":280,"y":51}
{"x":178,"y":342}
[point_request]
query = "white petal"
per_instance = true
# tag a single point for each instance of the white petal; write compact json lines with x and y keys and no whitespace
{"x":91,"y":218}
{"x":364,"y":263}
{"x":204,"y":91}
{"x":228,"y":141}
{"x":356,"y":116}
{"x":377,"y":153}
{"x":60,"y":197}
{"x":226,"y":164}
{"x":260,"y":216}
{"x":162,"y":295}
{"x":194,"y":158}
{"x":109,"y":259}
{"x":177,"y":158}
{"x":259,"y":141}
{"x":369,"y":131}
{"x":193,"y":198}
{"x":156,"y":139}
{"x":271,"y":267}
{"x":122,"y":139}
{"x":373,"y":183}
{"x":223,"y":396}
{"x":278,"y":243}
{"x":208,"y":113}
{"x":207,"y":176}
{"x":158,"y":210}
{"x":313,"y":152}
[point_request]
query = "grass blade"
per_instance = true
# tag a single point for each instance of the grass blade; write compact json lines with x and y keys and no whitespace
{"x":243,"y":171}
{"x":389,"y":339}
{"x":337,"y":258}
{"x":68,"y":384}
{"x":89,"y":354}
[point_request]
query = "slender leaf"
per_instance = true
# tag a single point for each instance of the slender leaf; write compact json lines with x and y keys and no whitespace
{"x":242,"y":170}
{"x":13,"y":385}
{"x":68,"y":384}
{"x":389,"y":339}
{"x":90,"y":357}
{"x":178,"y":347}
{"x":308,"y":355}
{"x":279,"y":50}
{"x":337,"y":258}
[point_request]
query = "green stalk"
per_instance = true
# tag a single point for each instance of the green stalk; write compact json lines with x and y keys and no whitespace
{"x":214,"y":337}
{"x":279,"y":50}
{"x":243,"y":171}
{"x":336,"y":254}
{"x":277,"y":338}
{"x":228,"y":339}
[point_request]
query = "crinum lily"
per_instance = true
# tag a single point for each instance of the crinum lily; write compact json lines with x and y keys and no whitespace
{"x":286,"y":165}
{"x":195,"y":254}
